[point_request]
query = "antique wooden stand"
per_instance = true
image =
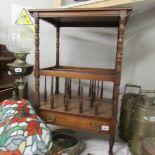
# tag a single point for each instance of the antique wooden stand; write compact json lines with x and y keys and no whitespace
{"x":91,"y":111}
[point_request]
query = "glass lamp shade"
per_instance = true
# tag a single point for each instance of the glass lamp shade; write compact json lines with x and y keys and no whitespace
{"x":20,"y":39}
{"x":22,"y":132}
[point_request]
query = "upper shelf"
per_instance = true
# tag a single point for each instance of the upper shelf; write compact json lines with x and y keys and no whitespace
{"x":100,"y":17}
{"x":80,"y":73}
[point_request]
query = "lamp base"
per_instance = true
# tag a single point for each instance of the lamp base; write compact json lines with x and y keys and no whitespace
{"x":21,"y":87}
{"x":19,"y":68}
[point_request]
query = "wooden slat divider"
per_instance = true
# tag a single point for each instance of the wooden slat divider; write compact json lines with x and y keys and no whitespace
{"x":66,"y":96}
{"x":79,"y":86}
{"x":52,"y":94}
{"x":91,"y":95}
{"x":90,"y":87}
{"x":97,"y":100}
{"x":70,"y":88}
{"x":45,"y":90}
{"x":101,"y":93}
{"x":81,"y":100}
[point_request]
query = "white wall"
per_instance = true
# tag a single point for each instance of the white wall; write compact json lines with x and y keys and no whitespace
{"x":5,"y":8}
{"x":96,"y":47}
{"x":139,"y":52}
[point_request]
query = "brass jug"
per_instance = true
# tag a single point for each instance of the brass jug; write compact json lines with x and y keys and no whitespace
{"x":127,"y":106}
{"x":143,"y":124}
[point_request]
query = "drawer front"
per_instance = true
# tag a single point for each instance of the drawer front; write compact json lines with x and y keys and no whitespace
{"x":73,"y":121}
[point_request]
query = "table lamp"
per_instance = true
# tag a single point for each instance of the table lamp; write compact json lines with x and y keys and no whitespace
{"x":20,"y":41}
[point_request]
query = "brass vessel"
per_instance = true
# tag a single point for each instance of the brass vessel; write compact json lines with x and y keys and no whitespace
{"x":20,"y":68}
{"x":127,"y":107}
{"x":143,"y":124}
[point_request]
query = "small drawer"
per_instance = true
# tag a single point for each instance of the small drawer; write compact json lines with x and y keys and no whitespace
{"x":76,"y":121}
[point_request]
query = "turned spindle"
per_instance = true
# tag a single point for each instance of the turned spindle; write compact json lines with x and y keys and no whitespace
{"x":101,"y":93}
{"x":70,"y":88}
{"x":79,"y":87}
{"x":37,"y":61}
{"x":65,"y":88}
{"x":98,"y":88}
{"x":90,"y":87}
{"x":45,"y":91}
{"x":81,"y":100}
{"x":97,"y":100}
{"x":57,"y":58}
{"x":92,"y":94}
{"x":66,"y":96}
{"x":94,"y":90}
{"x":52,"y":95}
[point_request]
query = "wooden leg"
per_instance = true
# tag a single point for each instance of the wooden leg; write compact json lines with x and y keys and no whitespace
{"x":111,"y":144}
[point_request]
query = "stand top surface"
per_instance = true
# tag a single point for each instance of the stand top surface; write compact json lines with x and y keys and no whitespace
{"x":94,"y":17}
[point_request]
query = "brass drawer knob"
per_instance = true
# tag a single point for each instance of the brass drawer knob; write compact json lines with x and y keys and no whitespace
{"x":51,"y":119}
{"x":96,"y":126}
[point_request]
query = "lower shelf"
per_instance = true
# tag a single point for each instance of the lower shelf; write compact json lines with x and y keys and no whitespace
{"x":104,"y":106}
{"x":87,"y":120}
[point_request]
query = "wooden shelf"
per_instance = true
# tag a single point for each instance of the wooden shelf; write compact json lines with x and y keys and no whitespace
{"x":100,"y":17}
{"x":80,"y":72}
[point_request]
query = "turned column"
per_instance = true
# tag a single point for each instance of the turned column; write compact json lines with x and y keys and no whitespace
{"x":37,"y":64}
{"x":118,"y":64}
{"x":57,"y":58}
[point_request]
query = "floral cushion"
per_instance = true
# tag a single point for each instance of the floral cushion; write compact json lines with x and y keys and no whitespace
{"x":26,"y":135}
